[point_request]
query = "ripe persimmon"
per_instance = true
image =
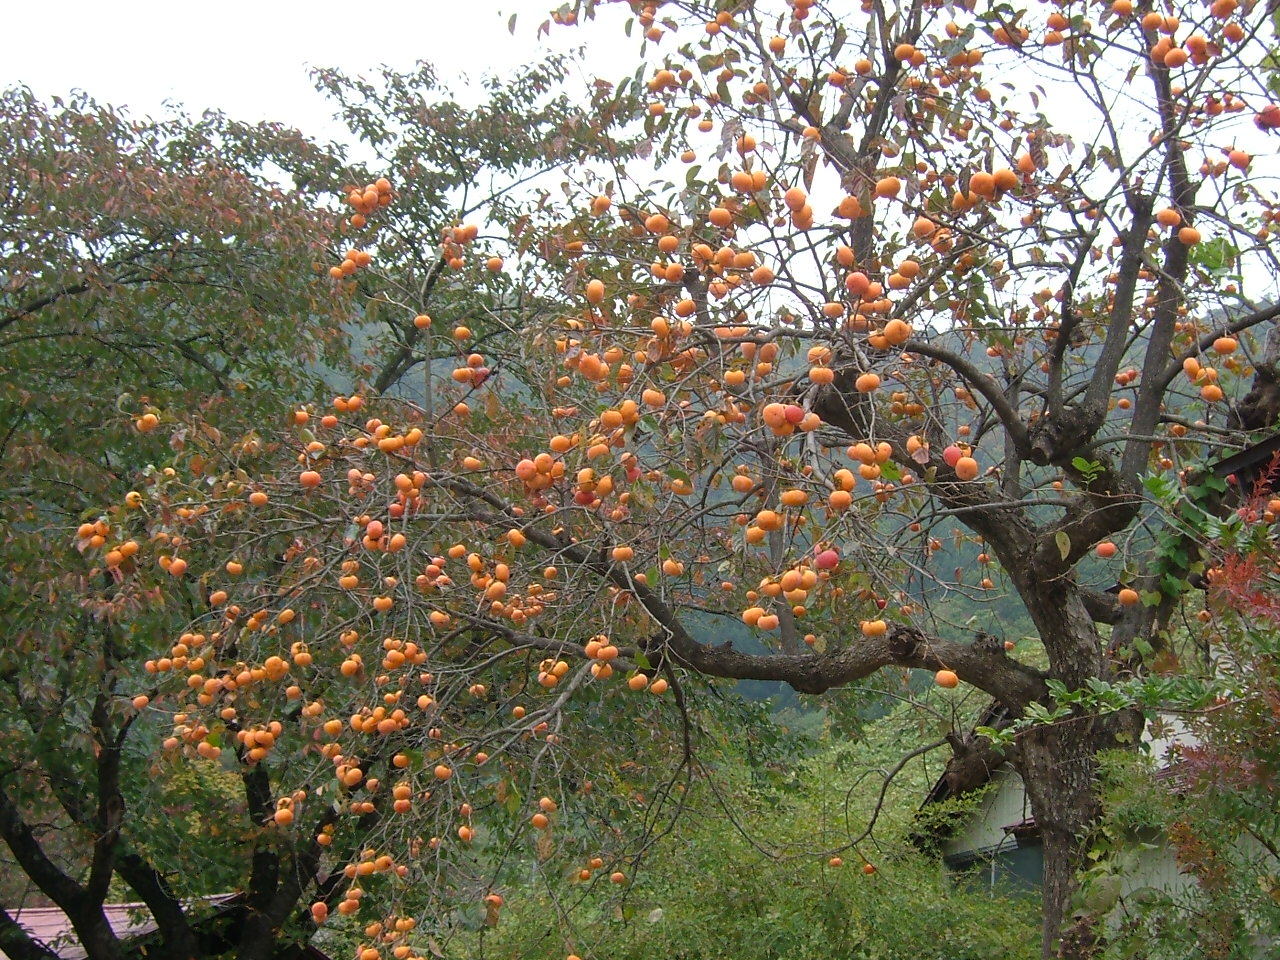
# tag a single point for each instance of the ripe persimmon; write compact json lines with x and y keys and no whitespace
{"x":897,"y":332}
{"x":888,"y":187}
{"x":983,"y":184}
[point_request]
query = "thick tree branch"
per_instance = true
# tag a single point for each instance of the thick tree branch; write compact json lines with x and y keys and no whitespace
{"x":1239,"y":325}
{"x":974,"y":758}
{"x":84,"y":912}
{"x":264,"y":875}
{"x":1120,"y":321}
{"x":991,"y":391}
{"x":146,"y":882}
{"x":39,"y":303}
{"x":1170,"y":287}
{"x":300,"y":872}
{"x":110,"y":812}
{"x":1066,"y":427}
{"x":1062,"y":545}
{"x":1070,"y":319}
{"x":1103,"y":607}
{"x":59,"y":887}
{"x":167,"y":910}
{"x":1014,"y":684}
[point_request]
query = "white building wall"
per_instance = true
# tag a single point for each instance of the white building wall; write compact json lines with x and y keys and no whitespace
{"x":1004,"y":803}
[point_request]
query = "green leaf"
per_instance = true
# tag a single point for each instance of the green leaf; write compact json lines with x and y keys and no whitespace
{"x":996,"y":736}
{"x":513,"y":799}
{"x":1214,"y":254}
{"x":1064,"y":543}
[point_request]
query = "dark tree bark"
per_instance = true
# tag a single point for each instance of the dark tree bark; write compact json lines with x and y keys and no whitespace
{"x":1058,"y":766}
{"x":280,"y":877}
{"x":83,"y":910}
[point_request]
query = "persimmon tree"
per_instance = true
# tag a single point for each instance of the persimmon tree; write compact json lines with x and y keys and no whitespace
{"x":929,"y":272}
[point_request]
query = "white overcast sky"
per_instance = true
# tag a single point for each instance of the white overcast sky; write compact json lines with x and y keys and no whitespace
{"x":251,"y":59}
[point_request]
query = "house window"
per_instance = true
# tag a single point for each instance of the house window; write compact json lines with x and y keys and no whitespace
{"x":1008,"y":870}
{"x":1022,"y":867}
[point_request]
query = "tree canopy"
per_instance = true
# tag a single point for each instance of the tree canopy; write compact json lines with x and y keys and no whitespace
{"x":784,"y":356}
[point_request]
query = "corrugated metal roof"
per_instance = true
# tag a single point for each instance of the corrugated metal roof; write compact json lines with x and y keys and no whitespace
{"x":50,"y":926}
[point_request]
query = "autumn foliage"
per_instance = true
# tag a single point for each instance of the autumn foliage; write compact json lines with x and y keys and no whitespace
{"x":916,"y":304}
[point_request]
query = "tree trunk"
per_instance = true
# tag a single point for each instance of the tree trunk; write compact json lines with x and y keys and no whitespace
{"x":257,"y":937}
{"x":95,"y":933}
{"x":1058,"y":761}
{"x":1058,"y":765}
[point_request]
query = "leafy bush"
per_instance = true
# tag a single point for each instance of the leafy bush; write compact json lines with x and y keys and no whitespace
{"x":749,"y":874}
